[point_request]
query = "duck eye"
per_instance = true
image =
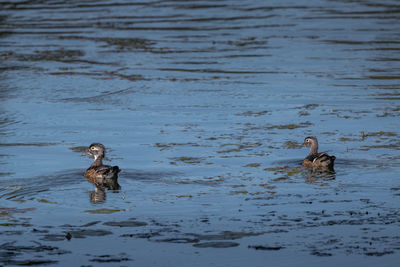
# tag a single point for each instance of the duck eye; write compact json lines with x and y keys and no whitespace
{"x":92,"y":148}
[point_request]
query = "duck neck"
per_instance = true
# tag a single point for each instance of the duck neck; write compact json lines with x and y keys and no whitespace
{"x":314,"y":149}
{"x":98,"y":161}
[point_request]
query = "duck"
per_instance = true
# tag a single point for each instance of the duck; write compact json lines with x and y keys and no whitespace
{"x":99,"y":174}
{"x":315,"y":159}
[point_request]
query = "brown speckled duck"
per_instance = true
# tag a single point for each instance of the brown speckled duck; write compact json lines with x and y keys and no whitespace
{"x":315,"y":159}
{"x":99,"y":174}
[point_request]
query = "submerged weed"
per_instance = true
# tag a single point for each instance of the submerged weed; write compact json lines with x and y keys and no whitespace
{"x":102,"y":211}
{"x":254,"y":165}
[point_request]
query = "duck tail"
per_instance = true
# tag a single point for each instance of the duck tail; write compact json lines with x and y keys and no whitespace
{"x":116,"y":169}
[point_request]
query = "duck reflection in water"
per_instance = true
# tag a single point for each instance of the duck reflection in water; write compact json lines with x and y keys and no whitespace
{"x":318,"y":175}
{"x":102,"y":176}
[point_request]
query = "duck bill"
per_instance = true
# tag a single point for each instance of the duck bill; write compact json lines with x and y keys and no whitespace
{"x":86,"y":153}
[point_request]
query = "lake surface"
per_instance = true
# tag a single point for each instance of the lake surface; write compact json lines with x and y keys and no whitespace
{"x":204,"y":105}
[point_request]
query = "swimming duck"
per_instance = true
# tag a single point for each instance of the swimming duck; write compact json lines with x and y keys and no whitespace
{"x":99,"y":174}
{"x":315,"y":159}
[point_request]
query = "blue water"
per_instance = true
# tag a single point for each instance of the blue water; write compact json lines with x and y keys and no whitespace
{"x":204,"y":106}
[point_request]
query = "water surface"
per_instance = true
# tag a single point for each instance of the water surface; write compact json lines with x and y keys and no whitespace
{"x":204,"y":105}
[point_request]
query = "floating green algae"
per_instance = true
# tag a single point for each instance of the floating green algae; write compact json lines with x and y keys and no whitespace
{"x":254,"y":165}
{"x":126,"y":224}
{"x":102,"y":211}
{"x":46,"y":201}
{"x":187,"y":160}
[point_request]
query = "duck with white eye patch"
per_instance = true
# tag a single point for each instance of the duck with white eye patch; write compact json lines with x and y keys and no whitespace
{"x":99,"y":174}
{"x":315,"y":159}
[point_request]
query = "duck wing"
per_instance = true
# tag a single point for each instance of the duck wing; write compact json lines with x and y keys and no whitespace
{"x":323,"y":160}
{"x":108,"y":171}
{"x":321,"y":157}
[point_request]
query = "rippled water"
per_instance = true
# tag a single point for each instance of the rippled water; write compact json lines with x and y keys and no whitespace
{"x":204,"y":105}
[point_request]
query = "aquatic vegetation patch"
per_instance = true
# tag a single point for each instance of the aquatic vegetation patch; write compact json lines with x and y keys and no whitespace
{"x":226,"y":235}
{"x":245,"y":146}
{"x":278,"y":179}
{"x":205,"y":181}
{"x":211,"y":179}
{"x":309,"y":106}
{"x":238,"y":186}
{"x":378,"y":253}
{"x":110,"y":258}
{"x":132,"y":77}
{"x":380,"y":133}
{"x":216,"y":245}
{"x":347,"y":139}
{"x":287,"y":173}
{"x":90,"y":224}
{"x":56,"y":237}
{"x":83,"y":233}
{"x":130,"y":223}
{"x":303,"y":113}
{"x":396,"y":190}
{"x":292,"y":145}
{"x":187,"y":160}
{"x":184,"y":196}
{"x":290,"y":126}
{"x":246,"y":41}
{"x":11,"y":211}
{"x":76,"y":73}
{"x":52,"y":55}
{"x":127,"y":43}
{"x":179,"y":240}
{"x":238,"y":149}
{"x":253,"y":113}
{"x":253,"y":165}
{"x":9,"y":250}
{"x":30,"y":262}
{"x":164,"y":146}
{"x":390,"y":138}
{"x":238,"y":192}
{"x":395,"y":146}
{"x":46,"y":201}
{"x":120,"y":43}
{"x":270,"y":188}
{"x":285,"y":170}
{"x":260,"y":247}
{"x":320,"y":254}
{"x":103,"y":211}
